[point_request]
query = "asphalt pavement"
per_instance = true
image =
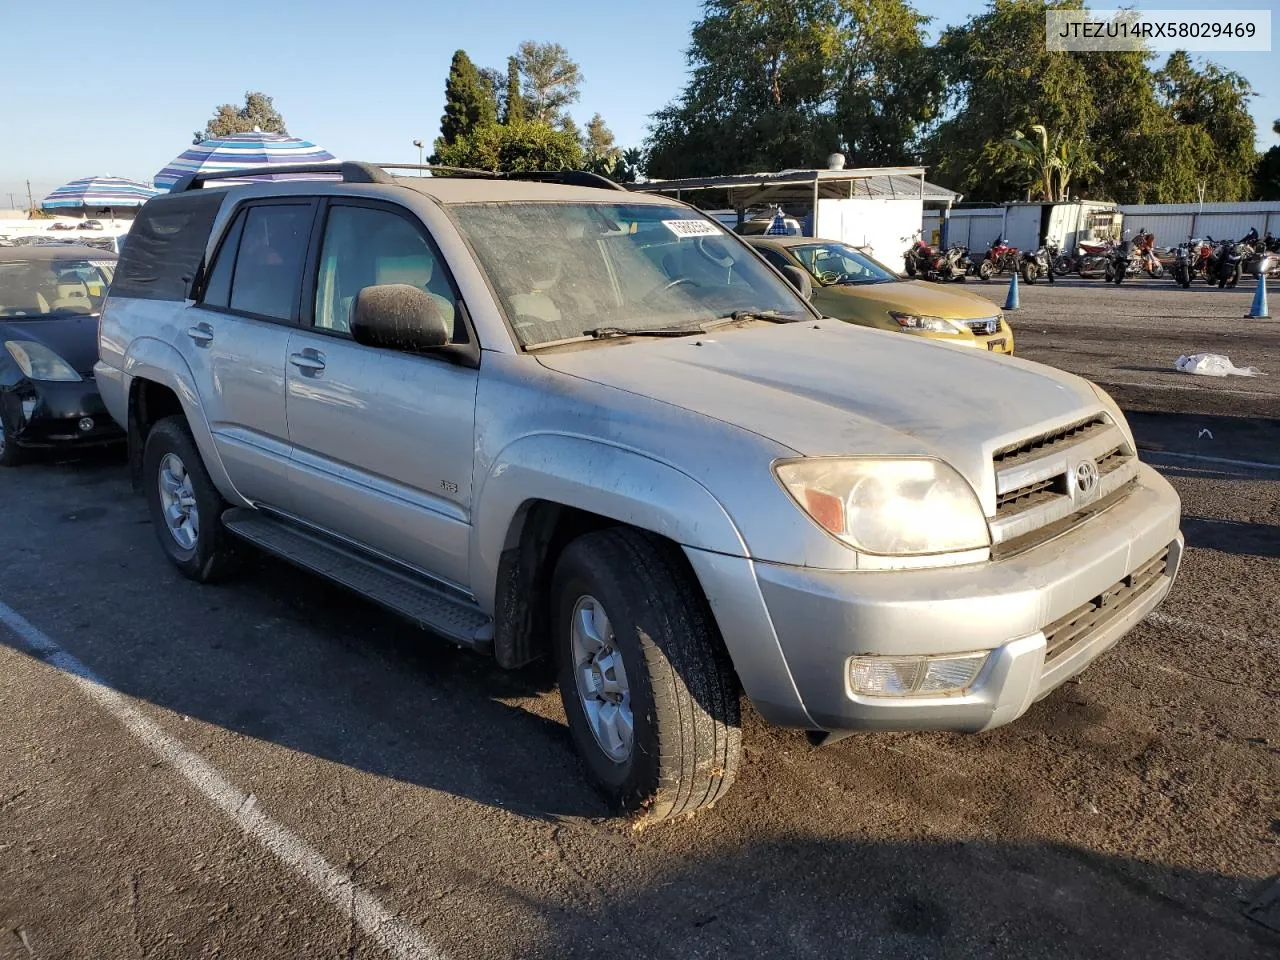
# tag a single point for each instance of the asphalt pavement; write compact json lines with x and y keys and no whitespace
{"x":272,"y":768}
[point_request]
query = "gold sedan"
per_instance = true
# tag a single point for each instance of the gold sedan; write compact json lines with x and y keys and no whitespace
{"x":849,"y":285}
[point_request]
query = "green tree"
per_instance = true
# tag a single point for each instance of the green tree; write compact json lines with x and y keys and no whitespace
{"x":468,"y":102}
{"x":550,"y":80}
{"x":1266,"y":177}
{"x":513,"y":147}
{"x":258,"y":113}
{"x":781,"y":83}
{"x":513,"y":108}
{"x":598,"y":141}
{"x":1049,"y":163}
{"x":1217,"y":102}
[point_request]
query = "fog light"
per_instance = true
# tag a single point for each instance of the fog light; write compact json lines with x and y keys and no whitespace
{"x":914,"y":676}
{"x":86,"y":424}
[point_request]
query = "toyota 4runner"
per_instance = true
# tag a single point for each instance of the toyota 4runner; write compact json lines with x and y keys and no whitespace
{"x":545,"y":418}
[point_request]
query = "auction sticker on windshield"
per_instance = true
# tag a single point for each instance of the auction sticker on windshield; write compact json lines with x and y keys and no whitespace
{"x":692,"y":228}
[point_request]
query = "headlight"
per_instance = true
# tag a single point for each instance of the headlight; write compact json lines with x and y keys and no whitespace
{"x":38,"y":362}
{"x":919,"y":324}
{"x":888,"y":507}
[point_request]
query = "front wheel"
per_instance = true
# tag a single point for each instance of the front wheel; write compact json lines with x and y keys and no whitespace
{"x":986,"y":269}
{"x":186,"y":507}
{"x":1029,"y":272}
{"x":1118,"y":274}
{"x":1156,"y":270}
{"x":911,"y":267}
{"x":651,"y":699}
{"x":1233,"y":277}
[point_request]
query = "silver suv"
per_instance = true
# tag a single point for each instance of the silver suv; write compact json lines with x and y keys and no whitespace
{"x":544,"y":418}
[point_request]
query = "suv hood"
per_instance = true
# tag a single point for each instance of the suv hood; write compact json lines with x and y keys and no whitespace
{"x":827,"y":388}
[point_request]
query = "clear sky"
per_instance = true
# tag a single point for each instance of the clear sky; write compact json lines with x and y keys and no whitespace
{"x":92,"y":87}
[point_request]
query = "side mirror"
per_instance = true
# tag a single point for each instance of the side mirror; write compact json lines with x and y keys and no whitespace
{"x":799,"y":279}
{"x":398,"y":316}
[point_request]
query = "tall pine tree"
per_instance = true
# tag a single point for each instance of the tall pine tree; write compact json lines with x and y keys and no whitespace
{"x":513,"y":108}
{"x":468,"y":102}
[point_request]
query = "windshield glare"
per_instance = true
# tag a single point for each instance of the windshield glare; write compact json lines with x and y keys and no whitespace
{"x":562,"y":269}
{"x":841,"y":263}
{"x":52,"y":288}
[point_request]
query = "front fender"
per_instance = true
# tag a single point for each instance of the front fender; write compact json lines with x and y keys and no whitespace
{"x":601,"y":478}
{"x":151,"y":359}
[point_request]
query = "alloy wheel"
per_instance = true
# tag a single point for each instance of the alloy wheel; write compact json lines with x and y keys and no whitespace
{"x":601,"y":679}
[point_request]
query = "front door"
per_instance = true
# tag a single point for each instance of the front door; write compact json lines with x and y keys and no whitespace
{"x":382,"y":440}
{"x":235,"y":338}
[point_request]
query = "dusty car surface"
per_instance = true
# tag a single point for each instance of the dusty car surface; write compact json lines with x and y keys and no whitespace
{"x":50,"y":298}
{"x":850,"y":285}
{"x":549,"y":419}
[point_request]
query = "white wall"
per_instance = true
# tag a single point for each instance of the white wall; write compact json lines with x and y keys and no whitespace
{"x":879,"y":223}
{"x":1172,"y":223}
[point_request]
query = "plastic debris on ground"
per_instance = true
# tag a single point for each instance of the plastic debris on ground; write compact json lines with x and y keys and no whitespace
{"x":1214,"y":365}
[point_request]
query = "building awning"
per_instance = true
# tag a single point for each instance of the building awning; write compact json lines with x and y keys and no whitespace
{"x":755,"y":189}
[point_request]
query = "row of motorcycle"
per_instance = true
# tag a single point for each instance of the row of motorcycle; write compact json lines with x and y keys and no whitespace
{"x":1224,"y":261}
{"x":1213,"y":261}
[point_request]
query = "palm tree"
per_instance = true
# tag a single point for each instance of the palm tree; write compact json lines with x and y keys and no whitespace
{"x":1050,"y":163}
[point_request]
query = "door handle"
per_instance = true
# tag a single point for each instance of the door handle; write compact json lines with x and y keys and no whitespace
{"x":308,"y":363}
{"x":201,"y":333}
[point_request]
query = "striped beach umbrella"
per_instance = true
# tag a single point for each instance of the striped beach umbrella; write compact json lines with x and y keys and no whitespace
{"x":99,"y":192}
{"x":240,"y":150}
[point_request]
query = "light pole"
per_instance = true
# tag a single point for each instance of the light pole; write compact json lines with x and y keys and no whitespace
{"x":418,"y":144}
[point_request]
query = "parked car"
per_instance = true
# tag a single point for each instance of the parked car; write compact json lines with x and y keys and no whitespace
{"x":545,"y":419}
{"x":850,"y":285}
{"x":50,"y":298}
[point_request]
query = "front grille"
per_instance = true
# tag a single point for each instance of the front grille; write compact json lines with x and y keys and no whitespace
{"x":1038,"y":494}
{"x":1080,"y":625}
{"x":1036,"y":446}
{"x":983,"y":327}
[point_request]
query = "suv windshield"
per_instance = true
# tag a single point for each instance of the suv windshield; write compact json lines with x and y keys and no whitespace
{"x":841,"y":263}
{"x":52,"y":288}
{"x":565,"y":270}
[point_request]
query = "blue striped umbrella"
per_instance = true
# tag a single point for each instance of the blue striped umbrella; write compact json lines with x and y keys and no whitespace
{"x":99,"y":192}
{"x":240,"y":150}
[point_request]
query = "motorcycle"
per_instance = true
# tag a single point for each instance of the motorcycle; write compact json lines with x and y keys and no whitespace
{"x":1040,"y":263}
{"x":1125,"y":261}
{"x":1093,"y":259}
{"x":1184,"y":263}
{"x":1000,"y":258}
{"x":1262,"y":256}
{"x":930,"y":263}
{"x":1230,"y":256}
{"x":1144,"y":245}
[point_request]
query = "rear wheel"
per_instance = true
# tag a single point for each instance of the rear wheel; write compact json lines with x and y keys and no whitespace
{"x":1029,"y":272}
{"x":650,"y":696}
{"x":186,"y":507}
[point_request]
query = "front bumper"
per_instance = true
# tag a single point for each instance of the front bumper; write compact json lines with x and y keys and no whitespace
{"x":818,"y":619}
{"x":47,"y":414}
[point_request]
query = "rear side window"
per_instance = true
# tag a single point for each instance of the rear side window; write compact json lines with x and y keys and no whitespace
{"x":269,"y":258}
{"x":166,"y":245}
{"x":217,"y":290}
{"x":777,"y":259}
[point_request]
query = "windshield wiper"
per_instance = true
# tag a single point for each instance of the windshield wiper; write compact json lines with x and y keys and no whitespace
{"x":607,"y":333}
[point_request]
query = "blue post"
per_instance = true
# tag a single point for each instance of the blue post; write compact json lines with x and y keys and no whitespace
{"x":1258,"y":311}
{"x":1012,"y":302}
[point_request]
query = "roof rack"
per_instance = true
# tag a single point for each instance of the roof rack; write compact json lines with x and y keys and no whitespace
{"x":353,"y":171}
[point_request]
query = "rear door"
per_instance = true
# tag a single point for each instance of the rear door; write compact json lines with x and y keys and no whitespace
{"x":235,"y":338}
{"x":382,"y":441}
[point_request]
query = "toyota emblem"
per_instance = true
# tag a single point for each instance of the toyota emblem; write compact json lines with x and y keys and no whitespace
{"x":1086,"y":478}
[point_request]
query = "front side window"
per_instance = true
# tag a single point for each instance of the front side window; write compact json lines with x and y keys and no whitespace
{"x":363,"y":247}
{"x":268,"y":269}
{"x":563,"y":270}
{"x":52,"y":288}
{"x":839,"y":263}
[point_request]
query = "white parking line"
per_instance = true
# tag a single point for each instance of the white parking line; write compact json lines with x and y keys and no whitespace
{"x":1223,"y":461}
{"x":398,"y":938}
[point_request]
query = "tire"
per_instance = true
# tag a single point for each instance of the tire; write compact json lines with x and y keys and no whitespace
{"x":985,"y":270}
{"x":1029,"y":272}
{"x":911,"y":267}
{"x":1233,"y":278}
{"x":1062,"y":265}
{"x":1117,"y":276}
{"x":210,"y":555}
{"x":1157,"y":271}
{"x":683,"y":696}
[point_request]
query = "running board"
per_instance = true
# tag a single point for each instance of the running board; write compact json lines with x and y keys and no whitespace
{"x":432,"y":608}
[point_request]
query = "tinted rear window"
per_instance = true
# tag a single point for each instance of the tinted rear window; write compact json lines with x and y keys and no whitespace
{"x":166,"y":244}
